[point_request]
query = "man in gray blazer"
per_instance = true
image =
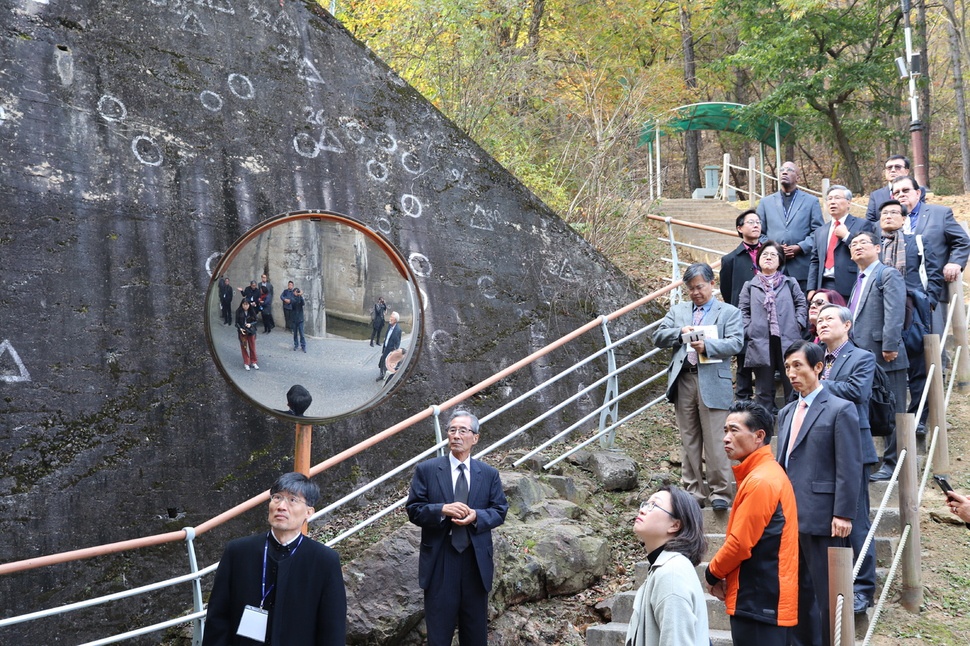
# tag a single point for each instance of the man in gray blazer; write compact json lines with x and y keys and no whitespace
{"x":878,"y":305}
{"x":831,"y":264}
{"x":790,"y":217}
{"x":848,"y":374}
{"x":699,"y":383}
{"x":818,"y":446}
{"x":941,"y":233}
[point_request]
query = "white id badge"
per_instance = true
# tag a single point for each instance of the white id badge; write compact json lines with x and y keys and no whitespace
{"x":253,"y":623}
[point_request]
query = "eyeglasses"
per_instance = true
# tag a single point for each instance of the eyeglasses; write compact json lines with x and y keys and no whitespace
{"x":750,"y":222}
{"x":456,"y":430}
{"x":819,"y":302}
{"x":895,"y":166}
{"x":651,"y":505}
{"x":902,"y":190}
{"x":860,"y":242}
{"x":893,"y":212}
{"x":770,"y":254}
{"x":277,"y":498}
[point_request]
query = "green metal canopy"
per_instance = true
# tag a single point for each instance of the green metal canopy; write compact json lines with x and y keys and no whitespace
{"x":716,"y":116}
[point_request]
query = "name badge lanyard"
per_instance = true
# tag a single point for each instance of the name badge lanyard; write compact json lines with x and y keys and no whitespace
{"x":263,"y":589}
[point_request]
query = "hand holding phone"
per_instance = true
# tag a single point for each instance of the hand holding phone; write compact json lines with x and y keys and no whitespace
{"x":944,"y":485}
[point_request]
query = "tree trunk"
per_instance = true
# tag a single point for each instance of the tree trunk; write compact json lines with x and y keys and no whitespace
{"x":852,"y":173}
{"x":691,"y":137}
{"x":953,"y":34}
{"x":924,"y":87}
{"x":538,"y":8}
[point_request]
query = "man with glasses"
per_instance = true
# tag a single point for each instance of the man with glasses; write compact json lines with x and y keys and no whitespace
{"x":755,"y":572}
{"x":737,"y":268}
{"x":940,"y":232}
{"x":923,"y":274}
{"x":878,"y":304}
{"x":790,"y":217}
{"x":279,"y":587}
{"x":896,"y":166}
{"x":457,"y":502}
{"x":848,"y":374}
{"x":831,"y":266}
{"x":699,"y":382}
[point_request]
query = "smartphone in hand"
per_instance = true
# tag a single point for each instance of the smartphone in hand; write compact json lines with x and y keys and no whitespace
{"x":944,"y":485}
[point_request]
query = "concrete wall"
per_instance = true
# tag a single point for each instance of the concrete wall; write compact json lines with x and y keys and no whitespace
{"x":137,"y":141}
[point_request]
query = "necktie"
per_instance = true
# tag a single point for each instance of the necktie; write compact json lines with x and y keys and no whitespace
{"x":796,"y":424}
{"x":856,"y":292}
{"x":459,"y":533}
{"x":698,"y":317}
{"x":830,"y":252}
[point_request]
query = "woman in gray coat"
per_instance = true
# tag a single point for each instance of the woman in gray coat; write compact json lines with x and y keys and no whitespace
{"x":774,"y":313}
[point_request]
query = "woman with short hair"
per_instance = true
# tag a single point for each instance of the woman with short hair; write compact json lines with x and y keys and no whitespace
{"x":669,"y":608}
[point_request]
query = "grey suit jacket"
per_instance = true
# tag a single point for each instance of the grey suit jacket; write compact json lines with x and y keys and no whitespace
{"x":851,"y":379}
{"x":879,"y":317}
{"x":943,"y":234}
{"x":825,"y":465}
{"x":714,"y":379}
{"x":795,"y":227}
{"x":846,"y":271}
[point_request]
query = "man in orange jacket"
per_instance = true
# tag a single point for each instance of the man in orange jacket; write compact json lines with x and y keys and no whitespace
{"x":756,"y":570}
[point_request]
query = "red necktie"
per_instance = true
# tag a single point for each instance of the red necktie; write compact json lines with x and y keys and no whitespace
{"x":830,"y":252}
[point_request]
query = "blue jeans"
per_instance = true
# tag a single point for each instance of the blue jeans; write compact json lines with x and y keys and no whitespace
{"x":298,"y":330}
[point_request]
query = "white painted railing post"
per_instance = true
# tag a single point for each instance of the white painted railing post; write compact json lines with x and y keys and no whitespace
{"x":725,"y":174}
{"x":609,"y":414}
{"x":198,"y":625}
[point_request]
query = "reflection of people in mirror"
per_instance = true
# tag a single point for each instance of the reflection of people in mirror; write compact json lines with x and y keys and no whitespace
{"x":250,"y":293}
{"x":298,"y":399}
{"x":393,"y":362}
{"x":296,"y":319}
{"x":287,"y":298}
{"x":279,"y":587}
{"x":246,"y":329}
{"x":225,"y":300}
{"x":377,"y":320}
{"x":392,"y":341}
{"x":266,"y":302}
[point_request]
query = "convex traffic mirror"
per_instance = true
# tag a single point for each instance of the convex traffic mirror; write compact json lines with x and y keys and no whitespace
{"x":308,"y":299}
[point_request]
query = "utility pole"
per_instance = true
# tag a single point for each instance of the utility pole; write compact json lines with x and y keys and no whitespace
{"x":912,"y":68}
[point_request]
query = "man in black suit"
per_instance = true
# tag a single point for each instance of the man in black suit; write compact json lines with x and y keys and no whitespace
{"x":848,"y":374}
{"x":896,"y":166}
{"x":831,"y":265}
{"x":279,"y":587}
{"x":941,"y":233}
{"x":737,"y":268}
{"x":818,"y":445}
{"x":457,"y":502}
{"x":790,"y":217}
{"x":392,"y":341}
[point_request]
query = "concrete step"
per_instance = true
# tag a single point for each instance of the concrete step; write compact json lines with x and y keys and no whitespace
{"x":716,"y":614}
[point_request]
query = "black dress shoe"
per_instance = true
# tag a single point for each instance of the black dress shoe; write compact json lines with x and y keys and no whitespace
{"x":921,"y":430}
{"x":381,"y":378}
{"x":882,"y":475}
{"x":860,"y":603}
{"x":720,"y":505}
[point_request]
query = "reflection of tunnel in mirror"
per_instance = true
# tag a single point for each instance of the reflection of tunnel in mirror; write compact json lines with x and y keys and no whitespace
{"x":341,"y":269}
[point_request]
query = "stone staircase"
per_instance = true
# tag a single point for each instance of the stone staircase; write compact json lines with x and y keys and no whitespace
{"x":614,"y":633}
{"x":713,"y":213}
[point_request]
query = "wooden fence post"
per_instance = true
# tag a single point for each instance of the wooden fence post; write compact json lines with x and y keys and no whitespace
{"x":911,"y":586}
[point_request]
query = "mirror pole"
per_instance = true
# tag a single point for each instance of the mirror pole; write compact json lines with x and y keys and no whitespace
{"x":301,"y":454}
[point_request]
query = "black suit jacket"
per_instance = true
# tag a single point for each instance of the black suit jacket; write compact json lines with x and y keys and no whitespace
{"x":311,"y":601}
{"x":825,"y":463}
{"x":846,"y":271}
{"x":431,"y":489}
{"x":736,"y":270}
{"x":851,"y":379}
{"x":942,"y":233}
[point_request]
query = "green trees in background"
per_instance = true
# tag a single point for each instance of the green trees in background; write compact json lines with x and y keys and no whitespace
{"x":558,"y":91}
